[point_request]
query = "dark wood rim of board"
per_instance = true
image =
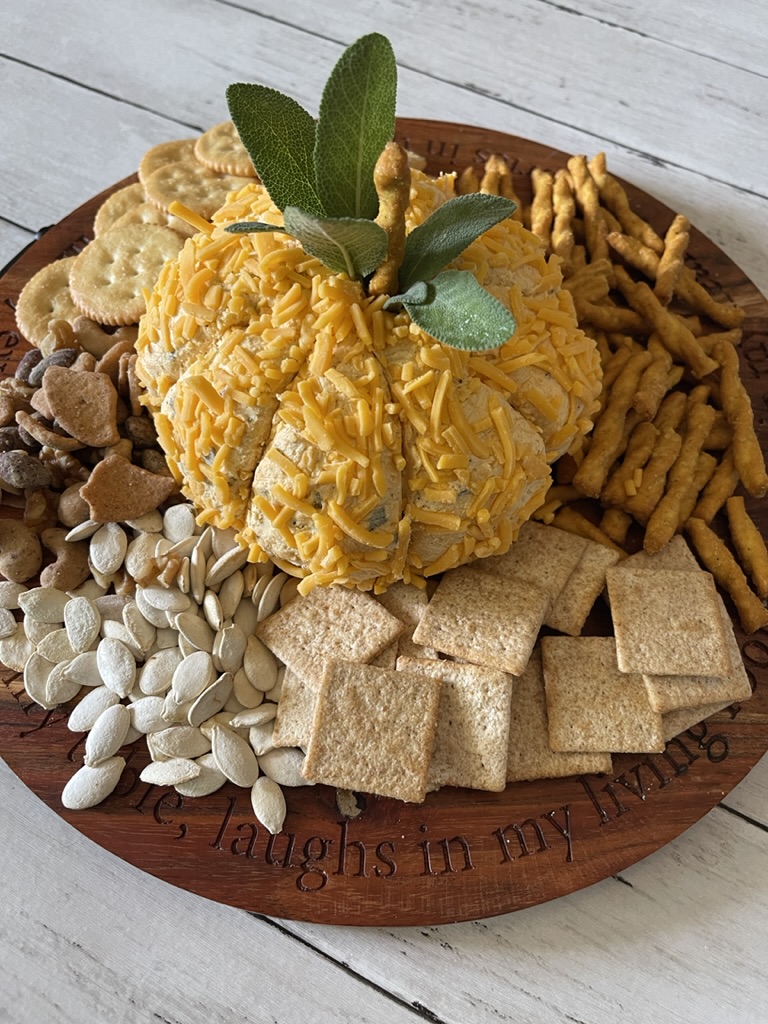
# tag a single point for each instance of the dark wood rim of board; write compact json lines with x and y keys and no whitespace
{"x":462,"y":855}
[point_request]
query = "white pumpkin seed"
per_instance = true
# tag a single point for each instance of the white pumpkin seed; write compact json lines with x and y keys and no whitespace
{"x":107,"y":548}
{"x":166,"y":637}
{"x":261,"y":738}
{"x":229,"y":648}
{"x":117,"y":665}
{"x":246,"y":616}
{"x":234,"y":757}
{"x":182,"y":578}
{"x":84,"y":669}
{"x":224,"y":566}
{"x":250,"y":577}
{"x":193,"y":675}
{"x":9,"y":594}
{"x":171,"y":772}
{"x":222,"y":542}
{"x":255,"y":716}
{"x":197,"y":563}
{"x":289,"y":591}
{"x":107,"y":734}
{"x":59,"y":688}
{"x":82,"y":622}
{"x":208,"y":781}
{"x":117,"y":631}
{"x":211,"y":700}
{"x":233,"y":704}
{"x":89,"y":786}
{"x":150,"y":522}
{"x":270,"y":599}
{"x":147,"y":714}
{"x":35,"y":630}
{"x":245,"y":692}
{"x":195,"y":630}
{"x":268,"y":804}
{"x":90,"y":589}
{"x":44,"y":604}
{"x":97,"y":700}
{"x":16,"y":649}
{"x":110,"y":606}
{"x":141,"y":631}
{"x":258,"y":591}
{"x":230,"y":593}
{"x":156,"y":674}
{"x":36,"y":671}
{"x":181,"y":741}
{"x":179,"y":522}
{"x":260,"y":664}
{"x":283,"y":765}
{"x":212,"y":610}
{"x":220,"y":718}
{"x":8,"y":623}
{"x":175,"y":711}
{"x":56,"y":647}
{"x":166,"y":599}
{"x":154,"y":615}
{"x":83,"y":530}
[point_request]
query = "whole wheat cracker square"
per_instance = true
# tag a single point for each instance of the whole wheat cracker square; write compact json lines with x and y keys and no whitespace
{"x":572,"y":606}
{"x":486,"y":619}
{"x":543,"y":555}
{"x":472,"y":724}
{"x":329,"y":623}
{"x":296,"y":706}
{"x":668,"y":693}
{"x":373,"y":731}
{"x":674,"y":555}
{"x":529,"y":755}
{"x":675,"y":722}
{"x":407,"y":603}
{"x":667,"y":622}
{"x":591,"y":705}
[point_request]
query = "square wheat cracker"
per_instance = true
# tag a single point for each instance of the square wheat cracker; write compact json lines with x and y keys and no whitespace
{"x":675,"y":722}
{"x":407,"y":603}
{"x":472,"y":724}
{"x":668,"y":693}
{"x":486,"y":619}
{"x":541,"y":554}
{"x":591,"y":705}
{"x":373,"y":731}
{"x":330,"y":623}
{"x":667,"y":622}
{"x":572,"y":606}
{"x":529,"y":755}
{"x":296,"y":706}
{"x":674,"y":555}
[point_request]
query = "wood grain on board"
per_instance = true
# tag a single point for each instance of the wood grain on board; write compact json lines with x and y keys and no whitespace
{"x":461,"y":855}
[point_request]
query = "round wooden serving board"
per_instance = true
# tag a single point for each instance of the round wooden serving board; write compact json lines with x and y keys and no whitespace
{"x":461,"y":855}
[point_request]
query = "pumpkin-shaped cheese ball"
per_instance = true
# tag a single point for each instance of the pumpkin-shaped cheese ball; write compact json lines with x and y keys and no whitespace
{"x":339,"y":439}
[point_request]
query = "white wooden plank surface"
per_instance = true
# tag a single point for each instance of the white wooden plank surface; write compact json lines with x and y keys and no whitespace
{"x":677,"y":95}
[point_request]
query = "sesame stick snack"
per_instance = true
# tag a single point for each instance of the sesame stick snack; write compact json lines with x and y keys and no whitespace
{"x":364,"y":438}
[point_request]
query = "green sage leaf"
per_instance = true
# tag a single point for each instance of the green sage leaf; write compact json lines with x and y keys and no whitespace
{"x":357,"y":119}
{"x":243,"y":226}
{"x":458,"y":312}
{"x":345,"y":244}
{"x":447,"y":232}
{"x":279,"y":135}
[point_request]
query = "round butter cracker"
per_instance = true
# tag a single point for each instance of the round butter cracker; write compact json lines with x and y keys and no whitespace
{"x":148,"y":213}
{"x":45,"y":297}
{"x":109,"y":276}
{"x":220,"y":149}
{"x":192,"y":184}
{"x":116,"y":206}
{"x":165,"y":153}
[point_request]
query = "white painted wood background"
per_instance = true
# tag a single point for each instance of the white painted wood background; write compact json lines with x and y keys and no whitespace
{"x":676,"y":93}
